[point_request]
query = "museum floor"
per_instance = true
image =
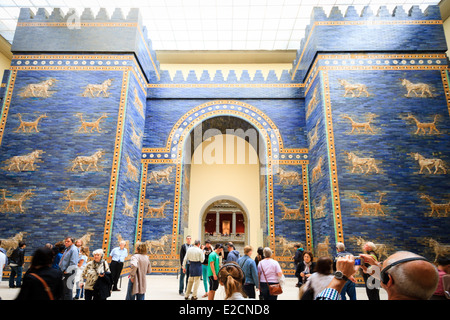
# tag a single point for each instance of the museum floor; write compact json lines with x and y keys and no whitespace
{"x":165,"y":287}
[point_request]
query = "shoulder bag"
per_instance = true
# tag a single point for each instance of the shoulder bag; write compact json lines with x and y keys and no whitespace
{"x":274,"y":289}
{"x":46,"y":287}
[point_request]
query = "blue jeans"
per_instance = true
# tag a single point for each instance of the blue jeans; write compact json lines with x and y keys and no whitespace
{"x":130,"y":296}
{"x":79,"y":293}
{"x":350,"y":289}
{"x":15,"y":271}
{"x":264,"y":291}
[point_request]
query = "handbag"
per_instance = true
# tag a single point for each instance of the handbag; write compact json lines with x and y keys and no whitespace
{"x":46,"y":287}
{"x":274,"y":289}
{"x":103,"y":285}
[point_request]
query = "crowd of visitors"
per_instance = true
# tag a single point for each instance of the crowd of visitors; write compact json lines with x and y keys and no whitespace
{"x":55,"y":270}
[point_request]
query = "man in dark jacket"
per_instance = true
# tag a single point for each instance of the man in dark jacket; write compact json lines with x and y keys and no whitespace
{"x":16,"y":261}
{"x":298,"y":257}
{"x":183,"y":275}
{"x":233,"y":254}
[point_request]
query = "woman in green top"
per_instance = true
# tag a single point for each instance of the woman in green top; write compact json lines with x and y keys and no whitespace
{"x":213,"y":270}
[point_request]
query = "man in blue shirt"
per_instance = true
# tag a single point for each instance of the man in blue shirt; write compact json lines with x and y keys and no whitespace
{"x":118,"y":256}
{"x":68,"y":265}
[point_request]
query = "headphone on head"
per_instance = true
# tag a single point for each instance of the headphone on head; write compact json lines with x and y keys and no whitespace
{"x":385,"y":276}
{"x":235,"y":265}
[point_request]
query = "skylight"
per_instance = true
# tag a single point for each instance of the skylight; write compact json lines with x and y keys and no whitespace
{"x":210,"y":24}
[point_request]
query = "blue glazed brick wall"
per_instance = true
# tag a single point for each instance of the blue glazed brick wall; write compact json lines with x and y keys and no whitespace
{"x":406,"y":223}
{"x":127,"y":196}
{"x":155,"y":226}
{"x":318,"y":172}
{"x":47,"y":32}
{"x":288,"y":194}
{"x":45,"y":218}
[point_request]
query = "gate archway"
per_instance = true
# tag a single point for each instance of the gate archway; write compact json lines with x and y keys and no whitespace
{"x":274,"y":155}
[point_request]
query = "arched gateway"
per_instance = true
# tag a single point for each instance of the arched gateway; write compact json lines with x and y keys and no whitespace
{"x":223,"y":221}
{"x":226,"y":156}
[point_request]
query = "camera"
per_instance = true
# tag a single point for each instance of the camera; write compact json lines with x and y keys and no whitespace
{"x":359,"y":260}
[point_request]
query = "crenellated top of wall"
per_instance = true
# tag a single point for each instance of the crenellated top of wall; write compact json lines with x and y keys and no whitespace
{"x":86,"y":32}
{"x":57,"y":15}
{"x":224,"y":84}
{"x":369,"y":31}
{"x":222,"y":77}
{"x":383,"y":13}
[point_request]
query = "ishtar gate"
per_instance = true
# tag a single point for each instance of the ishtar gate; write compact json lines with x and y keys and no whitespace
{"x":349,"y":145}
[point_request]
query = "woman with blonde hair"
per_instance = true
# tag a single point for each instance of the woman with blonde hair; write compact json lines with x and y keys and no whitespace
{"x":140,"y":267}
{"x":231,"y":278}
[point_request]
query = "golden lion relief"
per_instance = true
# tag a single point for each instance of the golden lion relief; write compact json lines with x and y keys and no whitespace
{"x":87,"y":160}
{"x":26,"y":161}
{"x":40,"y":89}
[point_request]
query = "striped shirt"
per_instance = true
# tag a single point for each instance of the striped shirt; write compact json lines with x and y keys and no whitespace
{"x":328,"y":294}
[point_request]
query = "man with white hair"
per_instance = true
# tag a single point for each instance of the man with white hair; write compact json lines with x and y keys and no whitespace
{"x":118,"y":256}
